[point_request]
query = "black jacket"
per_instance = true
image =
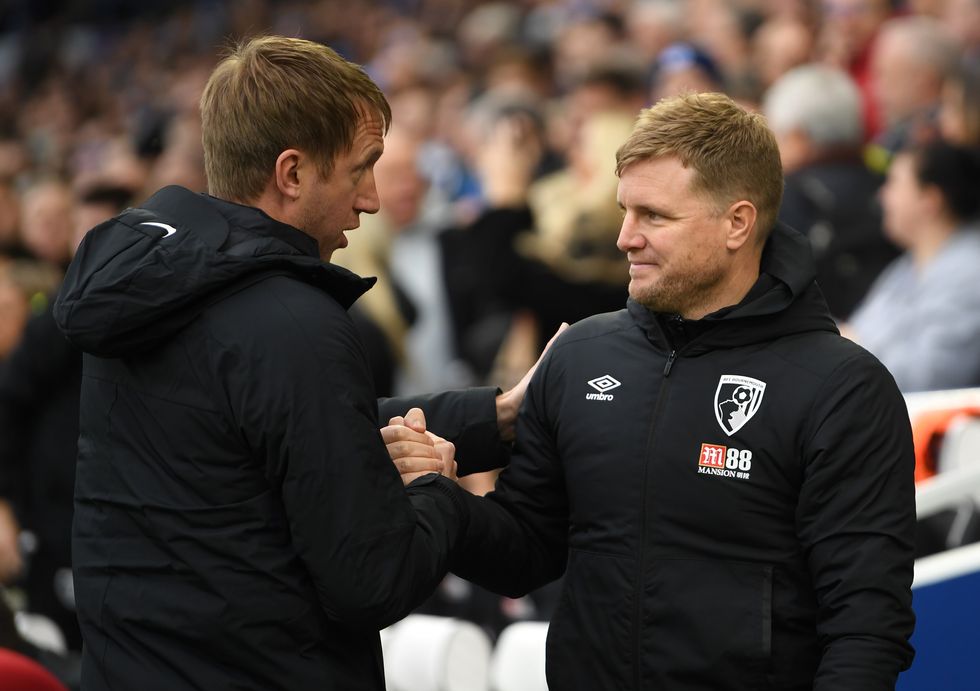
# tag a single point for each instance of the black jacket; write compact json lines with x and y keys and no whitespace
{"x":238,"y":523}
{"x":39,"y":386}
{"x":714,"y":534}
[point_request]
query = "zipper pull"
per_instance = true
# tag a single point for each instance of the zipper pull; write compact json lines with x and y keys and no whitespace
{"x":670,"y":362}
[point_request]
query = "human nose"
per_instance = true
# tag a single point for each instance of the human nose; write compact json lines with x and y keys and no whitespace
{"x":629,"y":238}
{"x":367,"y":198}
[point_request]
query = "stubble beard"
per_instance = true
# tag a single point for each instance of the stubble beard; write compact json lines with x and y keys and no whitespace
{"x":679,"y":294}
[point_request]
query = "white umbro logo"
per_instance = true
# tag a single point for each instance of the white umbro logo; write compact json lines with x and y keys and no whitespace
{"x":602,"y":384}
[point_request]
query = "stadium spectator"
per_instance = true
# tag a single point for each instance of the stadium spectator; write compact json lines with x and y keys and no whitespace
{"x":847,"y":38}
{"x":683,"y":67}
{"x":912,"y":58}
{"x":713,"y":460}
{"x":959,"y":111}
{"x":46,"y":228}
{"x":830,"y":195}
{"x":922,"y":316}
{"x":39,"y":391}
{"x":779,"y":45}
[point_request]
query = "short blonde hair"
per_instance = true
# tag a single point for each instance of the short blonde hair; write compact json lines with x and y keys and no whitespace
{"x":273,"y":93}
{"x":732,"y":151}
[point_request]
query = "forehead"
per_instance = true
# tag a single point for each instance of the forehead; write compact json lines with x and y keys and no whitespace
{"x":370,"y":126}
{"x":664,"y":177}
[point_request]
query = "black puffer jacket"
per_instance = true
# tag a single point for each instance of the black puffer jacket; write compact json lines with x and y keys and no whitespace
{"x":731,"y":499}
{"x":238,"y":523}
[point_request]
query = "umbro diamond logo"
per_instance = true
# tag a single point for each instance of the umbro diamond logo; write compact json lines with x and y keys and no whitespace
{"x":602,"y":384}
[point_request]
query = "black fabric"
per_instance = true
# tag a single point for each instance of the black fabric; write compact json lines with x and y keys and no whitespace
{"x":238,"y":522}
{"x":39,"y":386}
{"x":789,"y":571}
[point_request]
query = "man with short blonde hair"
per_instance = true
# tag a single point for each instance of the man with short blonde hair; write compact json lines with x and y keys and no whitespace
{"x":725,"y":482}
{"x":731,"y":151}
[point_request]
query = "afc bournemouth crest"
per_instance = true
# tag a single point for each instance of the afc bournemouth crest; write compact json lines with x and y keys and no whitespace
{"x":736,"y":400}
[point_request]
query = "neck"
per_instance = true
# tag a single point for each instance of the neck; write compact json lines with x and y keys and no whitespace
{"x":930,"y":242}
{"x":730,"y":291}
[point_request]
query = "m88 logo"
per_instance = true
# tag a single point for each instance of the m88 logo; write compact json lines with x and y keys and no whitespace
{"x":724,"y":461}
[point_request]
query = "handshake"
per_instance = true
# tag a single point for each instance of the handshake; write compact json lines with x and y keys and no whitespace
{"x":415,"y":451}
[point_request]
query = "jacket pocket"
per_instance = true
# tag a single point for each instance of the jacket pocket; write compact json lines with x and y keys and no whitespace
{"x":706,"y":624}
{"x":589,"y":637}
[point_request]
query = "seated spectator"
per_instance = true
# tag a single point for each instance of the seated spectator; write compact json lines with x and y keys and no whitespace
{"x":24,"y":287}
{"x":959,"y":111}
{"x":922,"y":316}
{"x":46,"y":227}
{"x":912,"y":58}
{"x":685,"y":67}
{"x":39,"y":408}
{"x":846,"y":38}
{"x":815,"y":112}
{"x":541,"y":253}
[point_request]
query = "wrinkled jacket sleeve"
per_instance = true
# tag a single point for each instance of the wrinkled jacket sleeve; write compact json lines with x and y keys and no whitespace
{"x":467,"y":417}
{"x":517,"y":539}
{"x":856,"y":523}
{"x":301,"y":391}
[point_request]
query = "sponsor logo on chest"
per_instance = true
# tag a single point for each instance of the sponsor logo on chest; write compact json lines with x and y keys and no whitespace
{"x":737,"y":400}
{"x":725,"y":461}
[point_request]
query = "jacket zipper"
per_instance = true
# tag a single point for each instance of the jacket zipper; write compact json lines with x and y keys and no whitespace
{"x":638,"y":583}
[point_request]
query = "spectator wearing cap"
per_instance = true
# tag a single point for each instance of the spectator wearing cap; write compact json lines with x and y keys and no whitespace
{"x":685,"y":67}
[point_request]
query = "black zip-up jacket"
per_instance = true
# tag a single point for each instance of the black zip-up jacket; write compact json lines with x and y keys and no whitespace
{"x":238,"y":522}
{"x":731,"y":500}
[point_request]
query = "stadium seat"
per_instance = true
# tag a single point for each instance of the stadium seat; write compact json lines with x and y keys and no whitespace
{"x":41,"y":632}
{"x":426,"y":653}
{"x":518,"y":660}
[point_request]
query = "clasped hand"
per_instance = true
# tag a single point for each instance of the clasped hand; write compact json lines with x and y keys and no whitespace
{"x":415,"y":451}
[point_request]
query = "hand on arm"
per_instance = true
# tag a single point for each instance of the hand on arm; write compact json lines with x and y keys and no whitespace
{"x":509,"y":402}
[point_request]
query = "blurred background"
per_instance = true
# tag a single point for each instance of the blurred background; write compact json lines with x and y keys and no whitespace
{"x":499,"y":215}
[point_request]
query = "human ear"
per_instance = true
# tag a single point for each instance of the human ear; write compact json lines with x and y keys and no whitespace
{"x":287,"y":174}
{"x":741,"y":217}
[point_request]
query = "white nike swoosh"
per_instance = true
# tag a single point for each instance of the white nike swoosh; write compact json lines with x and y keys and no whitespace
{"x":170,"y":229}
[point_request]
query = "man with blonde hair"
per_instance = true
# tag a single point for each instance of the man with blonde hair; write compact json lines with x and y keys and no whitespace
{"x":725,"y":481}
{"x":238,"y":523}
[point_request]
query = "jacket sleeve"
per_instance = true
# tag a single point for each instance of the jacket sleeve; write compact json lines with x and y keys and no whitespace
{"x":517,"y":536}
{"x":468,"y":418}
{"x":301,"y":390}
{"x":856,"y":523}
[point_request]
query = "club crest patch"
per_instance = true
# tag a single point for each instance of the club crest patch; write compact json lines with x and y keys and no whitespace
{"x":737,"y":399}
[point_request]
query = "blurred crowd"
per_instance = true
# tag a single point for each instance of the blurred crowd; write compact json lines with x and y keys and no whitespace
{"x":499,"y":216}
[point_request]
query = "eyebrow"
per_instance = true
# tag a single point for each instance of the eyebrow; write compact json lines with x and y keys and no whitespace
{"x":372,"y":156}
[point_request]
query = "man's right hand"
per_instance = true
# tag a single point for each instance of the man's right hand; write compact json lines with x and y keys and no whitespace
{"x":415,"y":451}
